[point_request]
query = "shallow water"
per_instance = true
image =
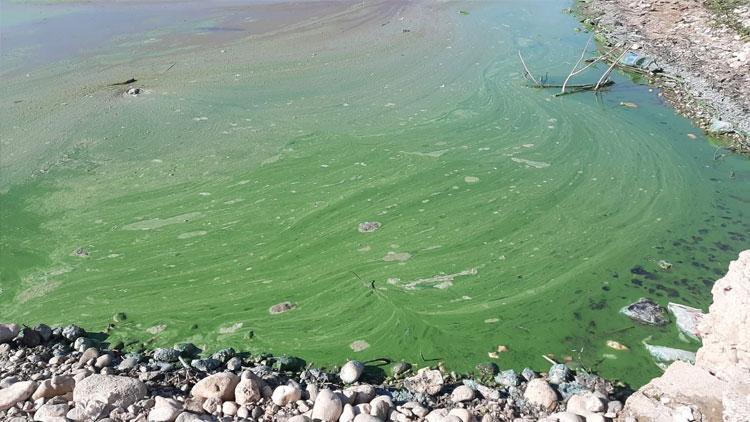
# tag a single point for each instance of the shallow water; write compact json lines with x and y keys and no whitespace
{"x":239,"y":178}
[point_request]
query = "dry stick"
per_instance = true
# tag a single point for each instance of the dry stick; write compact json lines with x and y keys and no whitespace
{"x":606,"y":74}
{"x":580,"y":59}
{"x":547,"y":358}
{"x":528,"y":72}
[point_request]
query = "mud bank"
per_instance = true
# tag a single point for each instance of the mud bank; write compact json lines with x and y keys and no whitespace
{"x":704,"y":54}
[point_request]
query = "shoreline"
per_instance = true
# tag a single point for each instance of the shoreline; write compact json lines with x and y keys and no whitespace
{"x":711,"y":88}
{"x":65,"y":373}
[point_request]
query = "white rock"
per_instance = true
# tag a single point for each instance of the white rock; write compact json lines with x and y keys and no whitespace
{"x":229,"y":408}
{"x":462,"y":393}
{"x":113,"y":390}
{"x":428,"y":381}
{"x":437,"y":415}
{"x":363,"y":393}
{"x":381,"y":407}
{"x":567,"y":417}
{"x":249,"y":390}
{"x":53,"y":387}
{"x":463,"y":414}
{"x":17,"y":392}
{"x":285,"y":394}
{"x":164,"y":410}
{"x":327,"y":407}
{"x":347,"y":415}
{"x":687,"y":319}
{"x":351,"y":371}
{"x":539,"y":393}
{"x":51,"y":412}
{"x":299,"y":418}
{"x":219,"y":386}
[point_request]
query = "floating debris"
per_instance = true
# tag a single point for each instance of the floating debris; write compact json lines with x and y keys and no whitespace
{"x":628,"y":104}
{"x":369,"y":226}
{"x":612,"y":344}
{"x":646,"y":311}
{"x":687,"y":319}
{"x":81,"y":252}
{"x":502,"y":348}
{"x":535,"y":164}
{"x":665,"y":265}
{"x":397,"y":256}
{"x":281,"y":308}
{"x":471,"y":179}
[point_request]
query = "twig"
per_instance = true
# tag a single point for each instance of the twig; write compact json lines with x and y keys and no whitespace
{"x":580,"y":59}
{"x":548,"y":359}
{"x":528,"y":72}
{"x":606,"y":74}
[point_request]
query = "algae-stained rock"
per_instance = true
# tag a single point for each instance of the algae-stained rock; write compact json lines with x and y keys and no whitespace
{"x":646,"y":311}
{"x":110,"y":389}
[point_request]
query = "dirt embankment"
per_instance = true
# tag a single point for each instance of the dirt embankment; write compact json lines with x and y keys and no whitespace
{"x":703,"y":47}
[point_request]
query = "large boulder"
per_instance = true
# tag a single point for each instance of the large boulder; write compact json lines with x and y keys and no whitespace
{"x":15,"y":393}
{"x":113,"y":390}
{"x":220,"y":386}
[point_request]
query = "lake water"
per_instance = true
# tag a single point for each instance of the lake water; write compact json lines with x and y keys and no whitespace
{"x":265,"y":134}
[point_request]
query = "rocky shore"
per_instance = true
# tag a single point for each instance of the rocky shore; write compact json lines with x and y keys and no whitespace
{"x":703,"y":56}
{"x":66,"y":374}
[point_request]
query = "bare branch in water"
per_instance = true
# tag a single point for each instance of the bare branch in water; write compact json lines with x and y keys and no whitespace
{"x":528,"y":72}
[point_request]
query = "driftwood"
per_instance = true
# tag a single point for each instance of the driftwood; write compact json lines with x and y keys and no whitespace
{"x":128,"y":82}
{"x":566,"y":87}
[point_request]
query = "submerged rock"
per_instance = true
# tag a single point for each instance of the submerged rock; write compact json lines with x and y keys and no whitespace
{"x":646,"y":311}
{"x":664,"y":354}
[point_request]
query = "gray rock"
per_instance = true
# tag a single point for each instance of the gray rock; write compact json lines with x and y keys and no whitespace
{"x":646,"y":311}
{"x":113,"y":390}
{"x":187,"y":350}
{"x":369,"y":226}
{"x":528,"y":374}
{"x":400,"y":368}
{"x":72,"y":332}
{"x":234,"y":364}
{"x":166,"y":355}
{"x":558,"y":374}
{"x":507,"y":378}
{"x":45,"y":332}
{"x":29,"y":337}
{"x":128,"y":363}
{"x":192,"y":417}
{"x":224,"y":355}
{"x":8,"y":332}
{"x":205,"y":365}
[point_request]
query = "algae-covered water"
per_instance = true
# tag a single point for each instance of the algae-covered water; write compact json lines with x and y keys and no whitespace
{"x":265,"y":135}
